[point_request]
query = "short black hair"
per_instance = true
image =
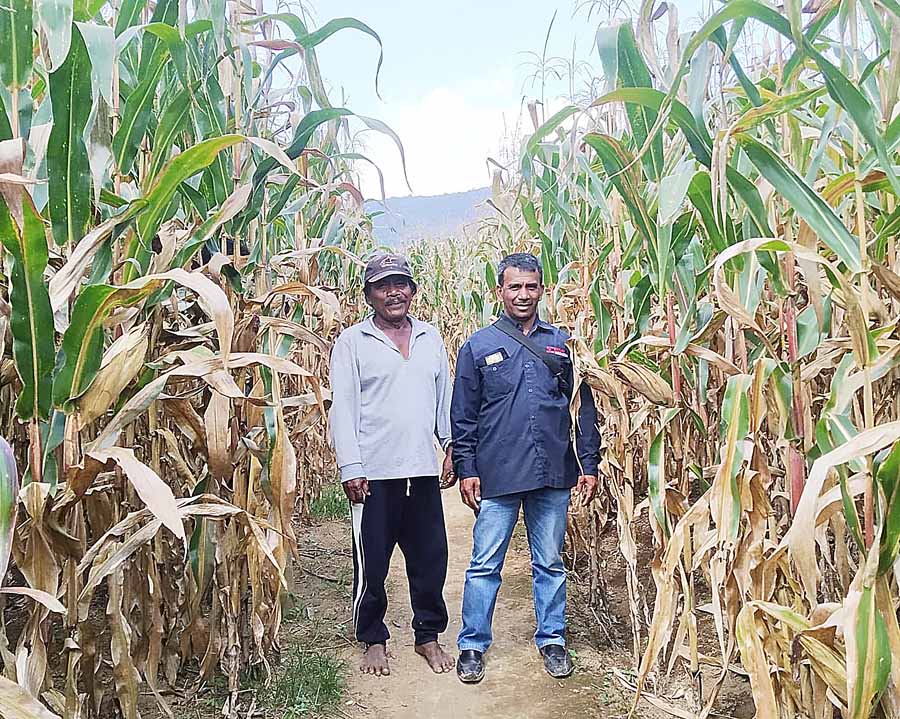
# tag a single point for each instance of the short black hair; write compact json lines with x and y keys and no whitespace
{"x":521,"y":261}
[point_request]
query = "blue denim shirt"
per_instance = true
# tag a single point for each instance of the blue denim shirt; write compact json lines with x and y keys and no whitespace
{"x":509,"y":421}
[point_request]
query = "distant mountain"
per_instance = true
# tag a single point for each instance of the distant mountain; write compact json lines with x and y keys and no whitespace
{"x":406,"y":219}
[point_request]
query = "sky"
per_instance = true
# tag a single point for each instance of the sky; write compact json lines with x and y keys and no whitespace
{"x":454,"y":79}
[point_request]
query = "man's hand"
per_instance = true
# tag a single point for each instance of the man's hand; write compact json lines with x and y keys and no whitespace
{"x":586,"y":489}
{"x":470,"y":489}
{"x":448,"y":477}
{"x":357,"y":490}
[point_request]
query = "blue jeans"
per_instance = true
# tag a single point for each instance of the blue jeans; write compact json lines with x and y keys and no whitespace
{"x":545,"y":521}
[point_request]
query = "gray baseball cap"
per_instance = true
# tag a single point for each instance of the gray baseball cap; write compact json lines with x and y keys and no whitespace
{"x":385,"y":265}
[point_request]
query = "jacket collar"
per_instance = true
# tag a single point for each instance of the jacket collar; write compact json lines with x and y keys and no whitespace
{"x":539,"y":324}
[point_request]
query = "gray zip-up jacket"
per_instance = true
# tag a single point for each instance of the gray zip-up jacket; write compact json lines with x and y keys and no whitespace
{"x":386,"y":410}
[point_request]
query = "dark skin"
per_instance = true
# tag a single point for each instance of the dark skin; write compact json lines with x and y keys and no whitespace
{"x":520,"y":291}
{"x":390,"y":298}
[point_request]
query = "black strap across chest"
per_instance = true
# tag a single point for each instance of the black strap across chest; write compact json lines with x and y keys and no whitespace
{"x":556,"y":365}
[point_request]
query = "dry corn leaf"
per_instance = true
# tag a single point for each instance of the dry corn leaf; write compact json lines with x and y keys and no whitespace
{"x":16,"y":703}
{"x":218,"y":436}
{"x":121,"y":364}
{"x":154,"y":493}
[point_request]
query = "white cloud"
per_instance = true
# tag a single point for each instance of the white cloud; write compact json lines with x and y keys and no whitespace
{"x":447,"y":134}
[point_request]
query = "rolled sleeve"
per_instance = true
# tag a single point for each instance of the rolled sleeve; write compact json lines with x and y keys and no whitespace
{"x":345,"y":410}
{"x":464,"y":408}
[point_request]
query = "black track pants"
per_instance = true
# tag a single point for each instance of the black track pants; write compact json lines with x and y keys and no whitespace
{"x":408,"y":513}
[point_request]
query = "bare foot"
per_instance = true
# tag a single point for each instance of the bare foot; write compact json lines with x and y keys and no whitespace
{"x":437,"y":658}
{"x":375,"y":661}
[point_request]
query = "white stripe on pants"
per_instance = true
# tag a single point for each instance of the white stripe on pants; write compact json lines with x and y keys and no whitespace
{"x":356,"y":516}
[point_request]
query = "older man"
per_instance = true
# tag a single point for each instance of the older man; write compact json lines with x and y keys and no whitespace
{"x":512,"y":448}
{"x":391,"y":392}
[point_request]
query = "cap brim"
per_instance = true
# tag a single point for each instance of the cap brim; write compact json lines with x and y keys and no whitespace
{"x":388,"y":273}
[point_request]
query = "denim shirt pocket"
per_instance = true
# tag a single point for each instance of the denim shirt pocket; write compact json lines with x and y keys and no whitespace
{"x":497,"y":380}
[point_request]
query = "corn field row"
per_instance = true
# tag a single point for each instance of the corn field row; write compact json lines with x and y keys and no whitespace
{"x":722,"y":241}
{"x":175,"y":226}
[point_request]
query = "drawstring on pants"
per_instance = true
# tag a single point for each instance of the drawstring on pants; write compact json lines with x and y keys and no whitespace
{"x":407,"y":486}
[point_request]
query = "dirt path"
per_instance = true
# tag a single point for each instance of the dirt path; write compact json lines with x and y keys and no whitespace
{"x":515,"y":684}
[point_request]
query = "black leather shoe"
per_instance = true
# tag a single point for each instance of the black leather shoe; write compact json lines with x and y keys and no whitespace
{"x":470,"y":666}
{"x":557,"y":661}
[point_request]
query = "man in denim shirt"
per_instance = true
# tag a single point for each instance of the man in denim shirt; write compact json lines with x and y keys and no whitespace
{"x":512,"y":447}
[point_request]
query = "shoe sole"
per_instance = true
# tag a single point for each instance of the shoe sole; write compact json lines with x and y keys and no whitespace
{"x":562,"y":676}
{"x":471,"y":679}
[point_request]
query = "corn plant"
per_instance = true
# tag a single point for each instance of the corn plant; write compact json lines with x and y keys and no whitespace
{"x":719,"y":233}
{"x":175,"y":225}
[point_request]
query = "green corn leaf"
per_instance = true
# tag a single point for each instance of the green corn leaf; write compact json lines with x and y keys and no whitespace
{"x":718,"y":38}
{"x":672,"y":191}
{"x":139,"y":103}
{"x":209,"y":116}
{"x":700,"y":195}
{"x":656,"y":478}
{"x":309,"y":40}
{"x":31,"y":322}
{"x":805,"y":201}
{"x":776,"y":107}
{"x":172,"y":122}
{"x":735,"y":423}
{"x":615,"y":159}
{"x":302,"y":136}
{"x":606,"y":40}
{"x":225,"y":212}
{"x":202,"y":548}
{"x":850,"y":97}
{"x":530,"y":215}
{"x":534,"y":142}
{"x":633,"y":72}
{"x":86,"y":10}
{"x":101,"y":47}
{"x":868,"y":649}
{"x":68,"y":166}
{"x":17,"y":41}
{"x":129,"y":15}
{"x":175,"y":44}
{"x":548,"y":262}
{"x":9,"y":502}
{"x":81,"y":351}
{"x":186,"y":165}
{"x":136,"y":115}
{"x":888,"y":482}
{"x":696,"y":134}
{"x":5,"y":127}
{"x":813,"y":31}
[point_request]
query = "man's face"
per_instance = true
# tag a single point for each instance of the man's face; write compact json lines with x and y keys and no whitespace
{"x":520,"y":293}
{"x":391,"y":297}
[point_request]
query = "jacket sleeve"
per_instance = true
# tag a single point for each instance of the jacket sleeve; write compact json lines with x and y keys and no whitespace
{"x":345,"y":410}
{"x":443,"y":389}
{"x":464,"y":408}
{"x":587,"y":435}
